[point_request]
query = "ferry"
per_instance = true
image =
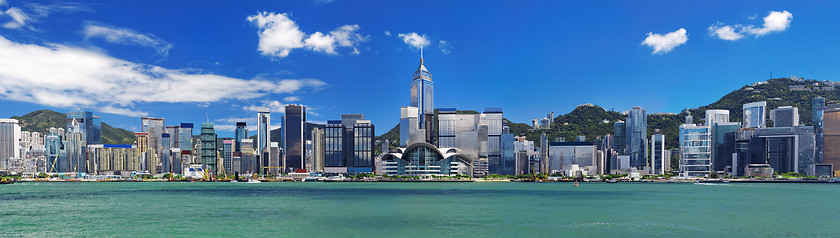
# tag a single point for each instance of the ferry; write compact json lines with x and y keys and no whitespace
{"x":253,"y":181}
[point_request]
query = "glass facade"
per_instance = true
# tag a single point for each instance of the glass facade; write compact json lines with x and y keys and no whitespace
{"x":817,"y":107}
{"x":619,"y":139}
{"x":658,"y":161}
{"x":333,"y":134}
{"x":723,"y":144}
{"x":695,"y":150}
{"x":755,"y":114}
{"x":636,"y":134}
{"x":422,"y":93}
{"x":294,"y":136}
{"x":426,"y":160}
{"x":89,"y":125}
{"x":166,"y":154}
{"x":208,"y":147}
{"x":508,"y":155}
{"x":241,"y":133}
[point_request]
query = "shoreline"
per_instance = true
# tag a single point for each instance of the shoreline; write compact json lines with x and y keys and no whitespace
{"x":716,"y":181}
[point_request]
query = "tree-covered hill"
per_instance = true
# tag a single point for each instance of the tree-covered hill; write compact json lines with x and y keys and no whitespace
{"x":42,"y":120}
{"x":593,"y":121}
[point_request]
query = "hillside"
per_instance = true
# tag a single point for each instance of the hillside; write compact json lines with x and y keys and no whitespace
{"x":777,"y":92}
{"x":588,"y":120}
{"x":42,"y":120}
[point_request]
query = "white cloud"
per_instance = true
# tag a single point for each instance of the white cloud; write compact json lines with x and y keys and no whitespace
{"x":126,"y":36}
{"x":665,"y":43}
{"x":63,"y":76}
{"x":291,"y":99}
{"x":724,"y":32}
{"x":773,"y":22}
{"x":2,"y":2}
{"x":123,"y":111}
{"x":415,"y":40}
{"x":35,"y":11}
{"x":273,"y":106}
{"x":19,"y":18}
{"x":279,"y":35}
{"x":445,"y":47}
{"x":387,"y":33}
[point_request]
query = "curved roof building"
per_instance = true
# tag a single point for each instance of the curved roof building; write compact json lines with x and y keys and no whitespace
{"x":425,"y":159}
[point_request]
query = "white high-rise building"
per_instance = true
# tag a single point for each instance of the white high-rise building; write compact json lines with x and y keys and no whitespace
{"x":755,"y":115}
{"x":9,"y":142}
{"x":716,"y":116}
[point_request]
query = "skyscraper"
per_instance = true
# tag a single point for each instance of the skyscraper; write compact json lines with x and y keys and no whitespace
{"x":318,"y":146}
{"x":294,"y":135}
{"x":76,"y":148}
{"x":155,"y":127}
{"x":208,"y":148}
{"x":166,"y":152}
{"x":636,"y":137}
{"x":422,"y":97}
{"x":785,"y":116}
{"x":658,"y":160}
{"x":831,"y":137}
{"x":185,"y":143}
{"x":241,"y":133}
{"x":715,"y":116}
{"x":755,"y":114}
{"x":695,"y":150}
{"x":817,"y":107}
{"x":9,"y":141}
{"x":89,"y":125}
{"x":619,"y":128}
{"x":228,"y":147}
{"x":349,"y":145}
{"x":263,"y":149}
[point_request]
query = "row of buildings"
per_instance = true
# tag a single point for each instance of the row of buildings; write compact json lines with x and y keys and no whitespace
{"x":435,"y":142}
{"x":753,"y":148}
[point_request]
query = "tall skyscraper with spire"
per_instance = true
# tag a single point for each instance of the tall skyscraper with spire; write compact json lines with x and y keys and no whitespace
{"x":422,"y":97}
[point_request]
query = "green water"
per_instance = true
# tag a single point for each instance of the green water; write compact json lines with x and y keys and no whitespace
{"x":419,"y":210}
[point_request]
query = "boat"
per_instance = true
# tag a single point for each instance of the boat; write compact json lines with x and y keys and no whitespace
{"x":234,"y":181}
{"x":253,"y":181}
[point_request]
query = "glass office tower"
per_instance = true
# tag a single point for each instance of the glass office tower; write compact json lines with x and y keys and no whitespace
{"x":422,"y":92}
{"x":817,"y":107}
{"x":755,"y":114}
{"x":241,"y":133}
{"x":636,"y":137}
{"x":263,"y":149}
{"x":208,"y":148}
{"x":294,"y":135}
{"x":89,"y":125}
{"x":695,"y":150}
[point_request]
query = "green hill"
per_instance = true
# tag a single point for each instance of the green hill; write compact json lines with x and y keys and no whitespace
{"x":589,"y":120}
{"x":42,"y":120}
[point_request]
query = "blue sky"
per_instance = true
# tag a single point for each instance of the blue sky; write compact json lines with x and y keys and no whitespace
{"x":182,"y":59}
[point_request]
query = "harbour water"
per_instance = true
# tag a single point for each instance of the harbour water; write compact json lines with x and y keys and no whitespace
{"x":156,"y":209}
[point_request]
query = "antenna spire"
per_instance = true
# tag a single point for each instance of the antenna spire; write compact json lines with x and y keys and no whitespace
{"x":208,"y":117}
{"x":421,"y":53}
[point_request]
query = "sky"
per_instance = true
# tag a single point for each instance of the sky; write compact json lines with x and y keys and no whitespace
{"x":194,"y":61}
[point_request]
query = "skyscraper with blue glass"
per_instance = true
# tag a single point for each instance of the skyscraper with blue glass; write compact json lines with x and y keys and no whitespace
{"x":636,"y":137}
{"x":422,"y":97}
{"x":89,"y":125}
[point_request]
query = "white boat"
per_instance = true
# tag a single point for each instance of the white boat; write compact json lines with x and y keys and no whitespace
{"x":253,"y":181}
{"x":234,"y":181}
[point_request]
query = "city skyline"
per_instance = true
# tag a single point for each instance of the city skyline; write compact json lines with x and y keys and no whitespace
{"x":179,"y":69}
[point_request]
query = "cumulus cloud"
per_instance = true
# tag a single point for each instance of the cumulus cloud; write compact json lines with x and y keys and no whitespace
{"x":724,"y":32}
{"x":63,"y":76}
{"x":665,"y":43}
{"x":415,"y":40}
{"x":773,"y":22}
{"x":126,"y":36}
{"x":387,"y":33}
{"x":291,"y":99}
{"x":279,"y":35}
